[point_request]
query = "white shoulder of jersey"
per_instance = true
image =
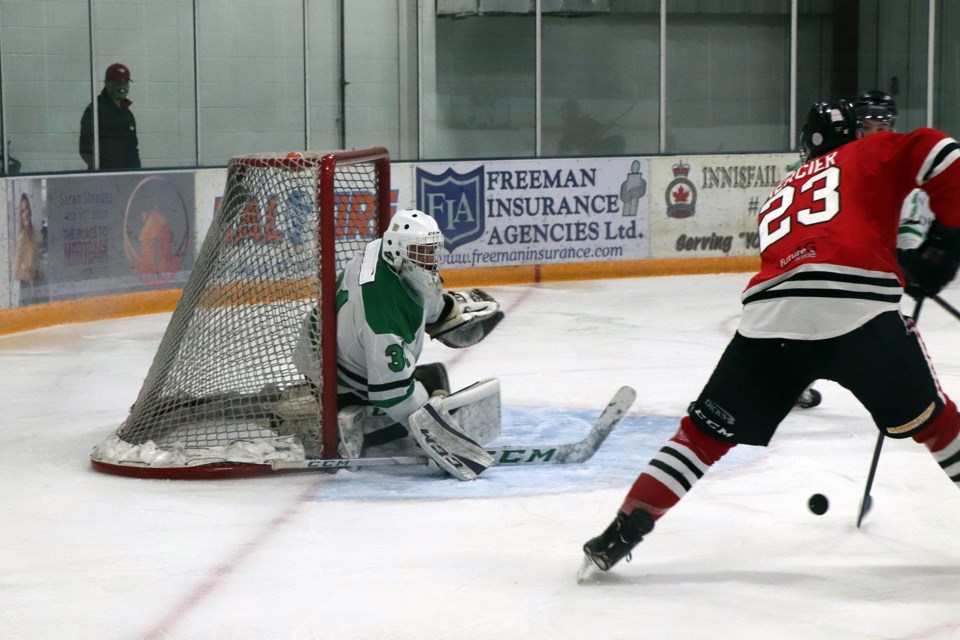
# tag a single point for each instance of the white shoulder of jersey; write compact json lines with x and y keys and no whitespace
{"x":368,"y":268}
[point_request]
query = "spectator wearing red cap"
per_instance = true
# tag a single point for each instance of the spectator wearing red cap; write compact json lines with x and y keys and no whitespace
{"x":119,"y":148}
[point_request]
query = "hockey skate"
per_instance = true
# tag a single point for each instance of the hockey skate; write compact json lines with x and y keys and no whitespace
{"x":616,"y":543}
{"x":808,"y":399}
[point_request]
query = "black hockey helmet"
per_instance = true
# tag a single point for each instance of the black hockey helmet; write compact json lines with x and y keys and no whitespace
{"x":828,"y":126}
{"x":876,"y":105}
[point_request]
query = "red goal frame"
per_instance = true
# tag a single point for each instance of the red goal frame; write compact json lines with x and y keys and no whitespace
{"x":328,"y":207}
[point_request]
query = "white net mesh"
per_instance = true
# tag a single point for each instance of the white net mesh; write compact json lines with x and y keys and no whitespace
{"x":222,"y":382}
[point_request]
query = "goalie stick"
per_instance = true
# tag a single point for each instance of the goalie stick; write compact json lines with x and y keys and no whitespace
{"x":522,"y":455}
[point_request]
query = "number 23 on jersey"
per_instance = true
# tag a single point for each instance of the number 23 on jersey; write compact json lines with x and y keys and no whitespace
{"x":818,"y":195}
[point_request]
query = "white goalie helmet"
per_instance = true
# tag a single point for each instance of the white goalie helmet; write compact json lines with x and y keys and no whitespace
{"x":412,"y":245}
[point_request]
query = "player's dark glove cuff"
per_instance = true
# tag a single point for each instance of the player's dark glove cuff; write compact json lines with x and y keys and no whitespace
{"x":928,"y":269}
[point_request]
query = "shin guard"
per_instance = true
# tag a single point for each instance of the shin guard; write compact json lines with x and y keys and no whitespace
{"x":674,"y":470}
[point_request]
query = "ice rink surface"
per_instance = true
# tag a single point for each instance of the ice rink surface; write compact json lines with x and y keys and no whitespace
{"x":388,"y":555}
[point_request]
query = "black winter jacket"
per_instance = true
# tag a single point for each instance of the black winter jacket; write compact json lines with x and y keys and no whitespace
{"x":119,"y":148}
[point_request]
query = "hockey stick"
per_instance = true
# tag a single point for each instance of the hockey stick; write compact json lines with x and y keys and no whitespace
{"x":946,"y":306}
{"x":867,"y":501}
{"x":513,"y":456}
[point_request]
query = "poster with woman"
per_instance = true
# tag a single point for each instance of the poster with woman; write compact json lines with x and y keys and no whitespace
{"x":80,"y":236}
{"x":29,"y":240}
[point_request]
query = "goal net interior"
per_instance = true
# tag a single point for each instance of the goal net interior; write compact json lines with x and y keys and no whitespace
{"x":223,"y":396}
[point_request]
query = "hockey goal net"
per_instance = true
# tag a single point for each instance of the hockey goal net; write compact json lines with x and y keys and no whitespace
{"x":223,"y":397}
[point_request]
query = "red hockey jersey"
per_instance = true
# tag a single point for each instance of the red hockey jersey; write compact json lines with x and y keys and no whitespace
{"x":828,"y":234}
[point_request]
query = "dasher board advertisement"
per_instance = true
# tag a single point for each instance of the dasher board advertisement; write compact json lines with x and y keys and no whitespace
{"x":519,"y":212}
{"x":707,"y":206}
{"x":81,"y":236}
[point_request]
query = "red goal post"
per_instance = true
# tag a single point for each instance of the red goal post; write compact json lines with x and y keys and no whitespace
{"x":223,"y":397}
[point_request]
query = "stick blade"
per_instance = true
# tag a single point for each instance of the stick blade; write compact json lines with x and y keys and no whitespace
{"x":864,"y":509}
{"x":611,"y":416}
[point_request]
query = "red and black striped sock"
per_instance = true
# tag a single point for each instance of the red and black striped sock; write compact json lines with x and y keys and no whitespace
{"x":674,"y":470}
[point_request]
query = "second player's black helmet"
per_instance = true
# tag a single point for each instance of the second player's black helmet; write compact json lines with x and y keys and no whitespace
{"x":876,"y":105}
{"x":828,"y":126}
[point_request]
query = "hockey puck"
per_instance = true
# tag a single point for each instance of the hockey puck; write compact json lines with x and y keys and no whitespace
{"x":818,"y":504}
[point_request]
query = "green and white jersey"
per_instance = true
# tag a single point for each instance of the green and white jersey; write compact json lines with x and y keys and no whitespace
{"x":380,"y":333}
{"x":915,"y":220}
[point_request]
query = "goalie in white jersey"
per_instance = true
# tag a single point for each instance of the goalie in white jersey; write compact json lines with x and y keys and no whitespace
{"x":388,"y":297}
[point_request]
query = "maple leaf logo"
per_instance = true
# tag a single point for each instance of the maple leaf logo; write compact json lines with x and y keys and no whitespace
{"x":680,"y":194}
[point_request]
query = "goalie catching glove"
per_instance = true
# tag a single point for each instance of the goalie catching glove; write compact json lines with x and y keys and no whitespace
{"x":467,"y":318}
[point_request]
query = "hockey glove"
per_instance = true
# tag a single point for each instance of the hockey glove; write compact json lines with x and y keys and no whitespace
{"x":932,"y":266}
{"x":467,"y":318}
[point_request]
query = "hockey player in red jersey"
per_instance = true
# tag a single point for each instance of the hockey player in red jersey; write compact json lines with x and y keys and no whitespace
{"x":825,"y":304}
{"x":876,"y":112}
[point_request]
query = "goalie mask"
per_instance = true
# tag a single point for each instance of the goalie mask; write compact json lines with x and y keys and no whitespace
{"x":412,"y":246}
{"x":829,"y":125}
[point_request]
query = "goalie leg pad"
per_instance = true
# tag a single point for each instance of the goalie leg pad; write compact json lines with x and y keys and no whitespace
{"x":350,"y":422}
{"x":441,"y":438}
{"x":477,"y":409}
{"x":367,"y":432}
{"x":297,"y":413}
{"x":297,"y":401}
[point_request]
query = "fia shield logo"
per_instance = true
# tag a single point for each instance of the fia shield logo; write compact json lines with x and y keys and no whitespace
{"x":455,"y":201}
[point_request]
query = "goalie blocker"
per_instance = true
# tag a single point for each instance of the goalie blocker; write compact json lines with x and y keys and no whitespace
{"x":467,"y":318}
